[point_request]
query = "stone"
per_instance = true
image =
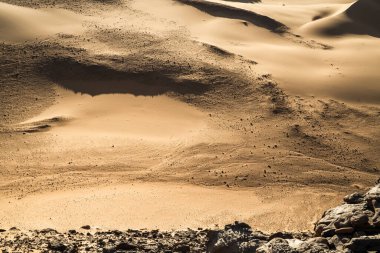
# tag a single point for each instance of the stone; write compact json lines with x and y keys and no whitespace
{"x":328,"y":232}
{"x":359,"y":220}
{"x":319,"y":229}
{"x":183,"y":248}
{"x":338,"y":241}
{"x":48,"y":230}
{"x":125,"y":246}
{"x":345,"y":230}
{"x":249,"y":247}
{"x":239,"y":227}
{"x":373,"y":194}
{"x":319,"y":240}
{"x":283,"y":235}
{"x":87,"y":227}
{"x":364,"y":244}
{"x":342,"y":222}
{"x":354,"y":198}
{"x":277,"y":245}
{"x":57,"y":246}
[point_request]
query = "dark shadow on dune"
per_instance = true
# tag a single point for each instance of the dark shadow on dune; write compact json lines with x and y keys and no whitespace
{"x":224,"y":11}
{"x":245,"y":1}
{"x":366,"y":13}
{"x":363,"y":19}
{"x":94,"y":79}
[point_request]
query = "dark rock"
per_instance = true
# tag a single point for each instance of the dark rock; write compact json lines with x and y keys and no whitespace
{"x":239,"y":227}
{"x":2,"y":230}
{"x":338,"y":241}
{"x":359,"y":220}
{"x":182,"y":248}
{"x":249,"y":247}
{"x":345,"y":230}
{"x":230,"y":240}
{"x":328,"y":232}
{"x":342,"y":222}
{"x":283,"y":235}
{"x":48,"y":230}
{"x":87,"y":227}
{"x":319,"y":240}
{"x":126,"y":246}
{"x":277,"y":245}
{"x":109,"y":250}
{"x":354,"y":198}
{"x":364,"y":244}
{"x":319,"y":229}
{"x":57,"y":246}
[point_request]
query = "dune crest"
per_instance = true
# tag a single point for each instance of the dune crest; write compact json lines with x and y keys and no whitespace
{"x":360,"y":18}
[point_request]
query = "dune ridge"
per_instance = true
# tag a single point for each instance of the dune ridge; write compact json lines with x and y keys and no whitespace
{"x":359,"y":18}
{"x":225,"y":11}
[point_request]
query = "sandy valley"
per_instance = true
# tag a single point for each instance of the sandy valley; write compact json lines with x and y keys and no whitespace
{"x":168,"y":114}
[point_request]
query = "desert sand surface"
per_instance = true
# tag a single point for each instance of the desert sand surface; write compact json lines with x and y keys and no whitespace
{"x":168,"y":114}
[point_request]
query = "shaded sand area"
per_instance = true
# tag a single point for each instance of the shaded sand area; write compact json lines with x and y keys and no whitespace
{"x":173,"y":114}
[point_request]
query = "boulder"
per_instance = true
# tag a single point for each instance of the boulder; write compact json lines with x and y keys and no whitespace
{"x":277,"y":245}
{"x":364,"y":244}
{"x":354,"y":198}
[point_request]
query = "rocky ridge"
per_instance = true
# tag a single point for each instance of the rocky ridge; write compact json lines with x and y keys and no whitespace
{"x":353,"y":226}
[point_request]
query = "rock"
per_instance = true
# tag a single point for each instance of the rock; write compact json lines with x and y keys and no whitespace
{"x":283,"y":235}
{"x":109,"y":250}
{"x":87,"y":227}
{"x":57,"y":246}
{"x":239,"y":227}
{"x":72,"y":231}
{"x":319,"y":240}
{"x":328,"y":232}
{"x":235,"y":237}
{"x":249,"y":247}
{"x":354,"y":198}
{"x":319,"y":229}
{"x":360,"y":220}
{"x":364,"y":244}
{"x":309,"y":245}
{"x":342,"y":222}
{"x":218,"y":244}
{"x":345,"y":230}
{"x":182,"y":248}
{"x":338,"y":241}
{"x":373,"y":194}
{"x":2,"y":230}
{"x":48,"y":230}
{"x":277,"y":245}
{"x":125,"y":246}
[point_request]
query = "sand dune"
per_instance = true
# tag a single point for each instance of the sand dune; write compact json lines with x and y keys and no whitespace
{"x":220,"y":10}
{"x":359,"y":18}
{"x":21,"y":23}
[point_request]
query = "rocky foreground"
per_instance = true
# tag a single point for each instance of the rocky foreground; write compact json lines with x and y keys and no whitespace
{"x":351,"y":227}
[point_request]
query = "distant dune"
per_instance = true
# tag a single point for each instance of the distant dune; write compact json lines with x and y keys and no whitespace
{"x":22,"y":23}
{"x":225,"y":11}
{"x":362,"y":17}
